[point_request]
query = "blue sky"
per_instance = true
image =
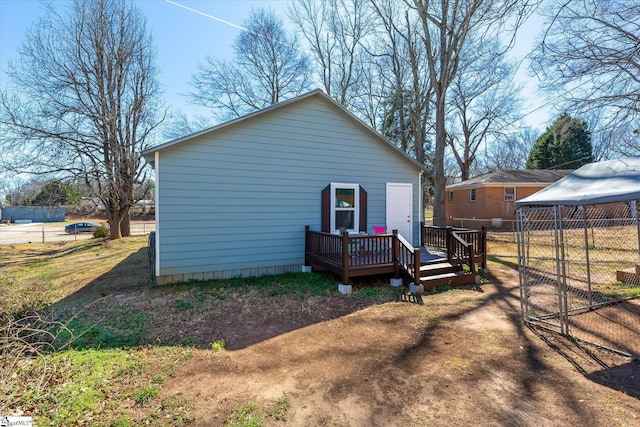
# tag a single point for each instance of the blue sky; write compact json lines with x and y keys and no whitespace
{"x":183,"y":38}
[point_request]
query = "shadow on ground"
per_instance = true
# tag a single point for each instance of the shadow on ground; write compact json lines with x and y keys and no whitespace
{"x":597,"y":364}
{"x":122,"y":309}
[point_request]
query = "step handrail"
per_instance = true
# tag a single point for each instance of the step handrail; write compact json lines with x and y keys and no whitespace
{"x":441,"y":237}
{"x":406,"y":257}
{"x":461,"y":251}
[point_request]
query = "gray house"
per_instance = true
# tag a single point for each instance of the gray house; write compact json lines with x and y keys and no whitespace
{"x":234,"y":200}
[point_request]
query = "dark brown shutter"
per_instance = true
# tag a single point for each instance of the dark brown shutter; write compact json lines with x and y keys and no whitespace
{"x":363,"y":210}
{"x":325,"y":208}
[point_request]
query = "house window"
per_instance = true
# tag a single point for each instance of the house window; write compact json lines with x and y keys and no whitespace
{"x":472,"y":194}
{"x":345,"y":207}
{"x":510,"y":193}
{"x":450,"y":196}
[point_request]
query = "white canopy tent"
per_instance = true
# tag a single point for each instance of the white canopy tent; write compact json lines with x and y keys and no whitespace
{"x":579,"y":255}
{"x":602,"y":182}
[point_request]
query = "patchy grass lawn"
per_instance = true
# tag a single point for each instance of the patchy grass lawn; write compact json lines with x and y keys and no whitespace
{"x":89,"y":342}
{"x":93,"y":342}
{"x":47,"y":292}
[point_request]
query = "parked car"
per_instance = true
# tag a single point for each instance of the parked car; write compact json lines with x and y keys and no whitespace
{"x":81,"y":227}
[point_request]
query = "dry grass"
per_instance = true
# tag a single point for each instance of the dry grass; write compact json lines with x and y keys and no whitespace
{"x":44,"y":291}
{"x":78,"y":320}
{"x":295,"y":352}
{"x":36,"y":275}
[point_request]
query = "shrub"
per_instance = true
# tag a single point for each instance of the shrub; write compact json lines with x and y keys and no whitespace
{"x":102,"y":231}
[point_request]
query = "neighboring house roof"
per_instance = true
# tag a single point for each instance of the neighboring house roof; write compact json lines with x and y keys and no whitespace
{"x":524,"y":177}
{"x":602,"y":182}
{"x":149,"y":153}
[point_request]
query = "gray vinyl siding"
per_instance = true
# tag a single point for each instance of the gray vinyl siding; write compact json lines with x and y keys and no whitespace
{"x":236,"y":201}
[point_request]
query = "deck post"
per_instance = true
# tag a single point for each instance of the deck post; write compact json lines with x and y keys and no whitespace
{"x":449,"y":242}
{"x":345,"y":258}
{"x":472,"y":264}
{"x":416,"y":266}
{"x":394,"y":253}
{"x":422,"y":233}
{"x":484,"y":247}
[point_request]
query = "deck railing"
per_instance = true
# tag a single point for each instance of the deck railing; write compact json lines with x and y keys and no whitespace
{"x":461,"y":244}
{"x":360,"y":255}
{"x":461,"y":252}
{"x":407,"y":258}
{"x":434,"y":237}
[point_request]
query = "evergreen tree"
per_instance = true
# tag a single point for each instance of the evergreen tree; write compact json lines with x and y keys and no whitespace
{"x":56,"y":193}
{"x":566,"y":144}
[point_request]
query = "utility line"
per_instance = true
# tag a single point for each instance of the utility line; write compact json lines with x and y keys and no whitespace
{"x":239,"y":27}
{"x":544,"y":105}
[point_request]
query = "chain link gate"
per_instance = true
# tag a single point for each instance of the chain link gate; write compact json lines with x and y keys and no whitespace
{"x":579,"y":269}
{"x":540,"y":275}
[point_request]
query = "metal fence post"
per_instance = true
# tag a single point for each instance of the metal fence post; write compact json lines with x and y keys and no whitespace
{"x":524,"y":297}
{"x":562,"y":271}
{"x":586,"y":251}
{"x":637,"y":218}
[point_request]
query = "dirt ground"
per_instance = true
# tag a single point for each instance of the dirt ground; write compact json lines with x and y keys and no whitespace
{"x":462,"y":358}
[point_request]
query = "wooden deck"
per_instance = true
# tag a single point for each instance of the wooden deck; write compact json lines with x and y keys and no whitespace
{"x":350,"y":256}
{"x":432,"y":255}
{"x":440,"y":261}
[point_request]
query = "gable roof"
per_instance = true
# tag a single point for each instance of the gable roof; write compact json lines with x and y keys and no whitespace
{"x":602,"y":182}
{"x":513,"y":177}
{"x":148,"y":154}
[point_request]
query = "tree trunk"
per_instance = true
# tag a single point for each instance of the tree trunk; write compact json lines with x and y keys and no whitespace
{"x":439,"y":181}
{"x":125,"y":223}
{"x":114,"y":224}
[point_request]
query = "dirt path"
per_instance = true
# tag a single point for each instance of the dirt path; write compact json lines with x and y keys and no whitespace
{"x":462,"y":358}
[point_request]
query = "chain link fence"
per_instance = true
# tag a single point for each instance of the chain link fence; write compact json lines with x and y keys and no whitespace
{"x":503,"y":227}
{"x":54,"y":232}
{"x":580,"y":272}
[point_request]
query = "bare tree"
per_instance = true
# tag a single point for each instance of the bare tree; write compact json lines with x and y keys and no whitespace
{"x":267,"y":67}
{"x":339,"y":34}
{"x":621,"y":140}
{"x":370,"y":98}
{"x":18,"y":191}
{"x":483,"y":102}
{"x":446,"y":25}
{"x":179,"y":125}
{"x":508,"y":153}
{"x":608,"y":140}
{"x":409,"y":90}
{"x":590,"y":53}
{"x":85,"y":101}
{"x":335,"y":31}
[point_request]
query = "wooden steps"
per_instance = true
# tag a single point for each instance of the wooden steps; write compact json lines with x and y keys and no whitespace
{"x":444,"y":274}
{"x":631,"y":276}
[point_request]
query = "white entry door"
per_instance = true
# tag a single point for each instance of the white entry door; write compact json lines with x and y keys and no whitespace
{"x":400,"y":209}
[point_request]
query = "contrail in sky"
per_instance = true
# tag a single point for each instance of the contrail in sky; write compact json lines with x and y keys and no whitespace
{"x":231,"y":24}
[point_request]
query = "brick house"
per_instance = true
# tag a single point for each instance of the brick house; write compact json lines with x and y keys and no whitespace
{"x":489,"y":199}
